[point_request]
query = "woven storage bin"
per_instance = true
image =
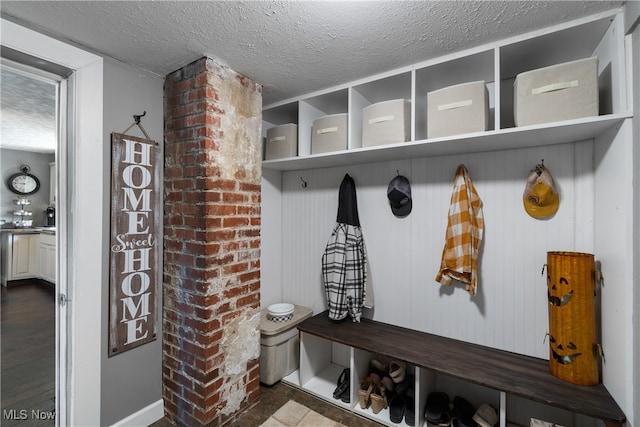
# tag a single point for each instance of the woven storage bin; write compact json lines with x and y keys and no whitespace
{"x":386,"y":122}
{"x":571,"y":283}
{"x":559,"y":92}
{"x":281,"y":142}
{"x":458,"y":109}
{"x":329,"y":133}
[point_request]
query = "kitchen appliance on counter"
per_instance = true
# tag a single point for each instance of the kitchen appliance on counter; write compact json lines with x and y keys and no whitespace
{"x":50,"y":217}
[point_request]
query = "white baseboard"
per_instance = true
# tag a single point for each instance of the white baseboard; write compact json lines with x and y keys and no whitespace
{"x":144,"y":417}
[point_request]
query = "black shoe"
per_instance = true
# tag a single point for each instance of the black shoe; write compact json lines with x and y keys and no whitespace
{"x":342,"y":385}
{"x":463,"y":412}
{"x":396,"y":409}
{"x":346,"y":394}
{"x":437,"y":408}
{"x":410,"y":410}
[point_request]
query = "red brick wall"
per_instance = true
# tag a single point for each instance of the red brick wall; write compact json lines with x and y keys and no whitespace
{"x":211,"y":244}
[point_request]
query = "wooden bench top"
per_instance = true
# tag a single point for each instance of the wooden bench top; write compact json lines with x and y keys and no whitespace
{"x":512,"y":373}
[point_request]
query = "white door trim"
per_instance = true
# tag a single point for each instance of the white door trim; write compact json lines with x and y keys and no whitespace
{"x":80,"y":239}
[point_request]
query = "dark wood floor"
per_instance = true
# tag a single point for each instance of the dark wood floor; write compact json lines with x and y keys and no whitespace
{"x":28,"y":354}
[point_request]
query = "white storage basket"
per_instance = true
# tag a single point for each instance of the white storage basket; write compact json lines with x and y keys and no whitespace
{"x":458,"y":109}
{"x":560,"y":92}
{"x":386,"y":122}
{"x":329,"y":133}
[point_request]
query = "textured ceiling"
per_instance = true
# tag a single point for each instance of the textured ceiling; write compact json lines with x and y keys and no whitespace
{"x":289,"y":47}
{"x":28,"y":112}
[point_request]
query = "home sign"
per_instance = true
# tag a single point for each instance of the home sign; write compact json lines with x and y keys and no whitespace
{"x":135,"y":251}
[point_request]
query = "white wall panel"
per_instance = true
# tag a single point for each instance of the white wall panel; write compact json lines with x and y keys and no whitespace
{"x":613,"y":160}
{"x":271,"y":239}
{"x":510,"y":309}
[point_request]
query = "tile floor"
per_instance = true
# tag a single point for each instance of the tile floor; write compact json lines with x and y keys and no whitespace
{"x":272,"y":398}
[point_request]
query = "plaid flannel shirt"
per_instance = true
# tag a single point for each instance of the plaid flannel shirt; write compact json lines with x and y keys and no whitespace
{"x":344,"y":272}
{"x":464,"y":235}
{"x":344,"y":262}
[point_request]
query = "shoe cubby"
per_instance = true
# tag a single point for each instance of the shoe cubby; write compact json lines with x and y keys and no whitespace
{"x":497,"y":64}
{"x":362,"y":369}
{"x":520,"y":411}
{"x":475,"y":394}
{"x":321,"y":364}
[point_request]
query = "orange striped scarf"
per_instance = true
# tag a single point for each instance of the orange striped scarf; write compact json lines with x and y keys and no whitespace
{"x":464,"y":235}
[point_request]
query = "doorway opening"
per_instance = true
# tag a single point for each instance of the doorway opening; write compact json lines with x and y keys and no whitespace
{"x":34,"y":122}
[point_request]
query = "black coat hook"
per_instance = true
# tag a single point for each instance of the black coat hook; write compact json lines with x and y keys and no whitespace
{"x":136,"y":117}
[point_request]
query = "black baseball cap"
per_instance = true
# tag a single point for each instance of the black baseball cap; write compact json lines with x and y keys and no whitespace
{"x":399,"y":194}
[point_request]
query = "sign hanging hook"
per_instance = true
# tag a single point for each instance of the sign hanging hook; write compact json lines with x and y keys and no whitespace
{"x":136,"y":122}
{"x":136,"y":117}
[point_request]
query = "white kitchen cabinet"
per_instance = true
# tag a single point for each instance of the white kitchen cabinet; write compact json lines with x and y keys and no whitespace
{"x":47,"y":257}
{"x":23,"y":256}
{"x":590,"y":157}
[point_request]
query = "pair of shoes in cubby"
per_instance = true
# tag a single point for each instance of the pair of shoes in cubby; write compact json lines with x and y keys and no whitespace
{"x":402,"y":403}
{"x":465,"y":415}
{"x":379,"y":387}
{"x":394,"y":370}
{"x":373,"y":392}
{"x":440,"y":413}
{"x":343,"y":388}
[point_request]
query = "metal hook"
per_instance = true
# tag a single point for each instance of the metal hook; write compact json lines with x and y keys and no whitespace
{"x":136,"y":117}
{"x":304,"y":183}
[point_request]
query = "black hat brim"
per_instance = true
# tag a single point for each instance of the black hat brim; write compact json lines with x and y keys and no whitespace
{"x":402,"y":210}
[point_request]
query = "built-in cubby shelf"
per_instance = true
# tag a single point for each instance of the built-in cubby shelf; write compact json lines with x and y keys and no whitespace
{"x":497,"y":65}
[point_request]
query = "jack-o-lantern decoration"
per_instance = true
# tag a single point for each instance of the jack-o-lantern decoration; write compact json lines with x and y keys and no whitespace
{"x":560,"y":354}
{"x":563,"y":298}
{"x":573,"y":355}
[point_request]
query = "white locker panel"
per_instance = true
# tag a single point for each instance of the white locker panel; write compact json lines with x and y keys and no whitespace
{"x":510,"y":310}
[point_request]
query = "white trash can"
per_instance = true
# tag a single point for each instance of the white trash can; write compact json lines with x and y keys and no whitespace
{"x":280,"y":345}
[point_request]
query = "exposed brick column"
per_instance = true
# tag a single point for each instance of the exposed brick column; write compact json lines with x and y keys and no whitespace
{"x":211,"y":323}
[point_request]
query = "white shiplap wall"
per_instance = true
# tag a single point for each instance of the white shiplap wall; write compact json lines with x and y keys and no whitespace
{"x":510,"y":310}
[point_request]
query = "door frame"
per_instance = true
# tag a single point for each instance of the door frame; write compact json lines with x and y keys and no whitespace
{"x":79,"y":224}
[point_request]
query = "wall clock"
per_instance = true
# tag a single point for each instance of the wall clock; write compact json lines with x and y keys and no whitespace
{"x":23,"y":183}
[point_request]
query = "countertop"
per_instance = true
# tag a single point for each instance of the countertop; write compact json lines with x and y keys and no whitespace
{"x":28,"y":230}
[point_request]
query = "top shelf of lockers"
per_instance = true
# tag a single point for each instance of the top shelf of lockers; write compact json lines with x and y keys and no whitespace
{"x":600,"y":35}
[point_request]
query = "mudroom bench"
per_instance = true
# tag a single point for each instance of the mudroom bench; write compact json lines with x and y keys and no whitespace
{"x":507,"y":373}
